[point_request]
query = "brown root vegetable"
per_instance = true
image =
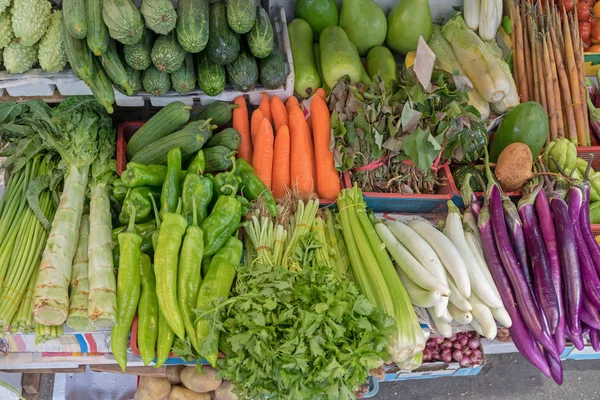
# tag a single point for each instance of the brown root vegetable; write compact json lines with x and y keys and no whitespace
{"x":181,"y":393}
{"x":152,"y":388}
{"x":514,"y":166}
{"x":225,"y":392}
{"x":173,"y":372}
{"x":200,"y":383}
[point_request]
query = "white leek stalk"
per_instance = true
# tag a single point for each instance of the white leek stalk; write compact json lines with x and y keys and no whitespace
{"x":471,"y":11}
{"x":79,"y":286}
{"x":480,"y":64}
{"x":490,"y":17}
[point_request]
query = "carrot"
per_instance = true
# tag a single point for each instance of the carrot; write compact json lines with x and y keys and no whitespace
{"x":265,"y":107}
{"x":281,"y":162}
{"x":242,"y":125}
{"x":291,"y":102}
{"x":280,"y":114}
{"x":328,"y":179}
{"x":301,"y":168}
{"x":320,"y":92}
{"x":262,"y":159}
{"x":257,"y":117}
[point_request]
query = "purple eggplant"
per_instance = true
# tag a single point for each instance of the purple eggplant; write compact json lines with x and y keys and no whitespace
{"x":556,"y":369}
{"x":586,"y":227}
{"x":468,"y":196}
{"x":595,"y":339}
{"x":545,"y":291}
{"x":519,"y":332}
{"x":547,"y":226}
{"x":517,"y":238}
{"x":523,"y":294}
{"x":571,"y":274}
{"x":577,"y":340}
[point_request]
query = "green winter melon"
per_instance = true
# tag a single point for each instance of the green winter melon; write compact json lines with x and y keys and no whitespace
{"x":223,"y":43}
{"x":242,"y":74}
{"x":260,"y":38}
{"x":155,"y":82}
{"x":211,"y":76}
{"x":134,"y":78}
{"x":137,"y":55}
{"x":184,"y":79}
{"x":167,"y":55}
{"x":241,"y":15}
{"x":272,"y":70}
{"x":123,"y":20}
{"x":160,"y":15}
{"x":192,"y":25}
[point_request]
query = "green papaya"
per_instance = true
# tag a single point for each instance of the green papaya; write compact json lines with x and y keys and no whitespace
{"x":306,"y":74}
{"x":406,"y":23}
{"x":339,"y":57}
{"x":381,"y":61}
{"x":360,"y":16}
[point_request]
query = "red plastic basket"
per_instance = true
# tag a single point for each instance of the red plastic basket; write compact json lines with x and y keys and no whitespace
{"x":410,"y":203}
{"x":124,"y":132}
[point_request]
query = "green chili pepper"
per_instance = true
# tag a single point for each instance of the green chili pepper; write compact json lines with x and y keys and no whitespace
{"x":158,"y":224}
{"x":189,"y":275}
{"x":253,"y":187}
{"x":245,"y":204}
{"x":205,"y":264}
{"x":214,"y":290}
{"x":171,"y":189}
{"x":138,"y":199}
{"x":147,"y":312}
{"x":142,"y":229}
{"x":222,"y":222}
{"x":166,"y":337}
{"x":196,"y":190}
{"x":146,"y":246}
{"x":119,"y":190}
{"x":140,"y":175}
{"x":166,"y":261}
{"x":198,"y":164}
{"x":128,"y":290}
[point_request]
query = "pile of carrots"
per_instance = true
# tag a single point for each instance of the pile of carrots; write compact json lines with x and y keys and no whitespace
{"x":287,"y":151}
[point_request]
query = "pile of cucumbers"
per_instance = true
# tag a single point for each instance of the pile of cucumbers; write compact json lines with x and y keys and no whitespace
{"x":158,"y":47}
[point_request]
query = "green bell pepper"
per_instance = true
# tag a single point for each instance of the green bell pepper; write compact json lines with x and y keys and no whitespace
{"x":222,"y":222}
{"x":253,"y":187}
{"x":564,"y":152}
{"x":198,"y":164}
{"x":138,"y":175}
{"x":199,"y":190}
{"x":119,"y":190}
{"x":227,"y":183}
{"x":138,"y":198}
{"x":245,"y":204}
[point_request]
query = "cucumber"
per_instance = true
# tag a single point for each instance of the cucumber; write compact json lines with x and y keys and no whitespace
{"x":241,"y":15}
{"x":111,"y":62}
{"x":123,"y":20}
{"x":223,"y":44}
{"x":242,"y":74}
{"x":74,"y":18}
{"x":217,"y":158}
{"x":190,"y":139}
{"x":211,"y":76}
{"x":97,"y":35}
{"x":168,"y":120}
{"x":101,"y":86}
{"x":306,"y":74}
{"x":229,"y":138}
{"x":260,"y":38}
{"x":156,"y":83}
{"x":219,"y":112}
{"x":80,"y":58}
{"x":272,"y":70}
{"x":184,"y":79}
{"x":192,"y":25}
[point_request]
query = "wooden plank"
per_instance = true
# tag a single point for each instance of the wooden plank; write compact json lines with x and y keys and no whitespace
{"x":141,"y":371}
{"x":31,"y":383}
{"x":78,"y":370}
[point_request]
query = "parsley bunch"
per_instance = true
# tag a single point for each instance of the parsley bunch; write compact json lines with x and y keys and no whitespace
{"x":299,"y":335}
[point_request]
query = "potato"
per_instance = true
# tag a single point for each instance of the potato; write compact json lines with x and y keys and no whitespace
{"x":225,"y":392}
{"x":181,"y":393}
{"x":514,"y":166}
{"x":173,"y":372}
{"x":152,"y":388}
{"x":200,"y":383}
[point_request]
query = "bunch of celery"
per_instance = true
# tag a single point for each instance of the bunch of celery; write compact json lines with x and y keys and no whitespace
{"x":43,"y":333}
{"x":375,"y":274}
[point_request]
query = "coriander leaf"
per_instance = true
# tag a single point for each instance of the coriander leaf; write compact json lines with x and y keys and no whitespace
{"x":422,"y":148}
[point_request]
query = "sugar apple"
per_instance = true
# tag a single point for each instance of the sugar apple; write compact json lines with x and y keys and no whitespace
{"x":6,"y":32}
{"x":52,"y":55}
{"x":30,"y":20}
{"x":19,"y":58}
{"x":4,"y":4}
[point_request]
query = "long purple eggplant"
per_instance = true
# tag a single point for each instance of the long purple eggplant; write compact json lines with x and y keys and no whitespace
{"x":523,"y":294}
{"x":569,"y":263}
{"x":546,"y":293}
{"x":521,"y":336}
{"x":556,"y":369}
{"x":586,"y":228}
{"x":547,"y":226}
{"x":589,"y":276}
{"x":577,"y":340}
{"x":592,"y":315}
{"x":517,"y":238}
{"x":469,"y":198}
{"x":595,"y":339}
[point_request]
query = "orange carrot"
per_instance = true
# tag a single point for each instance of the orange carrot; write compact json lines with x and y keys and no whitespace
{"x":328,"y":179}
{"x":281,"y":162}
{"x":291,"y":102}
{"x":280,"y":114}
{"x":242,"y":125}
{"x":265,"y":107}
{"x":257,"y":117}
{"x":301,"y":168}
{"x":320,"y":92}
{"x":262,"y":159}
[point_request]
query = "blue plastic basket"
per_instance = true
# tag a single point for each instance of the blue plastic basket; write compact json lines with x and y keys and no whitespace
{"x":373,"y":388}
{"x":410,"y":203}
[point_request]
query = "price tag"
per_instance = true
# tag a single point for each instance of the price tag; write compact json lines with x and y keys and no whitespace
{"x":424,"y":63}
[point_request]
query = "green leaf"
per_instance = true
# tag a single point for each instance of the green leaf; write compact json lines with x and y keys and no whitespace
{"x":422,"y":148}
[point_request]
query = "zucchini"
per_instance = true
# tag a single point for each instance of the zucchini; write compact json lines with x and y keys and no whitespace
{"x":229,"y":138}
{"x":218,"y":158}
{"x":211,"y":76}
{"x":190,"y":139}
{"x":123,"y":20}
{"x":219,"y":112}
{"x":102,"y":87}
{"x":97,"y":35}
{"x":111,"y":62}
{"x":74,"y":18}
{"x":242,"y":74}
{"x":241,"y":15}
{"x":80,"y":58}
{"x":223,"y":44}
{"x":192,"y":25}
{"x":260,"y":38}
{"x":155,"y":82}
{"x":272,"y":70}
{"x":184,"y":79}
{"x":168,"y":120}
